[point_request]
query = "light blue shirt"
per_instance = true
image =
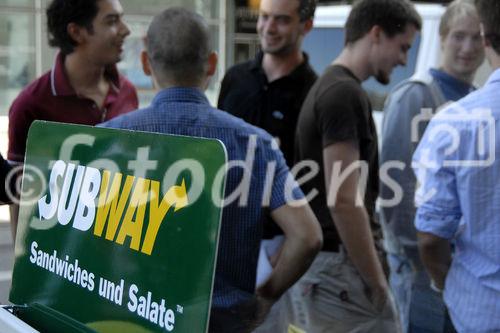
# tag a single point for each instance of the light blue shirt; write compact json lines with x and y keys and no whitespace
{"x":459,"y":198}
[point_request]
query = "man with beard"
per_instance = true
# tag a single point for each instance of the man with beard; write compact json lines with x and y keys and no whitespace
{"x":345,"y":290}
{"x":84,"y":86}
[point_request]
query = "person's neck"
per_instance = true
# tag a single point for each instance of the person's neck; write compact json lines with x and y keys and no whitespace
{"x":163,"y":84}
{"x":278,"y":66}
{"x":83,"y":75}
{"x":355,"y":59}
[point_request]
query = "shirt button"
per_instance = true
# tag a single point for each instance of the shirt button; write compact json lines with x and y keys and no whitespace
{"x":94,"y":106}
{"x":265,"y":87}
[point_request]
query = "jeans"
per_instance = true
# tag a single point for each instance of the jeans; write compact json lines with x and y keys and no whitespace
{"x":421,"y":309}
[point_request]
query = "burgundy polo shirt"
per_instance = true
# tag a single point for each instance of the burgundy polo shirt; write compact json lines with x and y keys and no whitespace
{"x":52,"y":98}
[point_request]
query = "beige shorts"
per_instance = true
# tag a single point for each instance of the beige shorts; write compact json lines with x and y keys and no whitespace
{"x":331,"y":297}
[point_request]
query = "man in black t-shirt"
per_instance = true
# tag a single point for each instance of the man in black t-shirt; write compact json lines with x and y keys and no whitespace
{"x":346,"y":286}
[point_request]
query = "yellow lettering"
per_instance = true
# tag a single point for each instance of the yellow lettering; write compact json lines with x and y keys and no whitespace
{"x":137,"y":207}
{"x":111,"y":204}
{"x":176,"y":195}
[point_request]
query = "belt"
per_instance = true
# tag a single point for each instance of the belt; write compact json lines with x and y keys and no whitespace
{"x":331,"y":247}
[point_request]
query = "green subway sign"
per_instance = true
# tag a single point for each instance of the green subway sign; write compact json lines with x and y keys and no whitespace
{"x":118,"y":230}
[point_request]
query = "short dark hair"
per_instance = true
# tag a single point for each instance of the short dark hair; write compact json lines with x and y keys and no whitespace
{"x":60,"y":13}
{"x":391,"y":15}
{"x":489,"y":15}
{"x":178,"y":46}
{"x":307,"y":9}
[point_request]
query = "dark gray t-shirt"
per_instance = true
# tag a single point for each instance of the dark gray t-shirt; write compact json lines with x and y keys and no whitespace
{"x":337,"y":109}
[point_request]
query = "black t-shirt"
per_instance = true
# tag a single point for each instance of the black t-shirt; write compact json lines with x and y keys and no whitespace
{"x":337,"y":109}
{"x":274,"y":106}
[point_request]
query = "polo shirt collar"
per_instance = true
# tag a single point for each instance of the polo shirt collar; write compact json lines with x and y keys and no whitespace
{"x":296,"y":74}
{"x":59,"y":81}
{"x":257,"y":61}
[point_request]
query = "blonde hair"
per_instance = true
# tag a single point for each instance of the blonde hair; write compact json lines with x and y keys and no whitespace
{"x":456,"y":10}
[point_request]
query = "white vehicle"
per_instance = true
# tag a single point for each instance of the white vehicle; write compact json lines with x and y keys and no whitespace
{"x":326,"y":40}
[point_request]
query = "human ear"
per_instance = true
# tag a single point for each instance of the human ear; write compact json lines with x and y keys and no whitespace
{"x":76,"y":32}
{"x":146,"y":65}
{"x":212,"y":63}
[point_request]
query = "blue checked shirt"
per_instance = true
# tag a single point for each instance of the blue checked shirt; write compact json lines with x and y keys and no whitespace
{"x":458,"y":171}
{"x":186,"y":111}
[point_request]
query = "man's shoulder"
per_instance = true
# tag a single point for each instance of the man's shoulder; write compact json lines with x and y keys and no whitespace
{"x":329,"y":85}
{"x":419,"y":83}
{"x":33,"y":94}
{"x":240,"y":69}
{"x":308,"y":71}
{"x":227,"y":120}
{"x":129,"y":120}
{"x":37,"y":88}
{"x":245,"y":65}
{"x":215,"y":118}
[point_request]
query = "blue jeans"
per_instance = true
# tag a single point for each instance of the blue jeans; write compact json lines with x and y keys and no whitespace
{"x":421,"y":309}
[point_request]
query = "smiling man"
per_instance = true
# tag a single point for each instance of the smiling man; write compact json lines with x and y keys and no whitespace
{"x":345,"y":289}
{"x":84,"y":86}
{"x":462,"y":53}
{"x":269,"y":90}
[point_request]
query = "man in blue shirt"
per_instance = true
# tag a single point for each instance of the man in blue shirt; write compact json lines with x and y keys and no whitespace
{"x":458,"y":196}
{"x":180,"y":60}
{"x":462,"y":54}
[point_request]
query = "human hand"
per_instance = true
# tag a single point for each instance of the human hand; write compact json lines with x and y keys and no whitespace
{"x":254,"y":312}
{"x":378,"y":296}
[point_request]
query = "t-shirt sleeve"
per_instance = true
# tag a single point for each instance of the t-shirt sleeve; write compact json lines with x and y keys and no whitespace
{"x":337,"y":113}
{"x":20,"y":119}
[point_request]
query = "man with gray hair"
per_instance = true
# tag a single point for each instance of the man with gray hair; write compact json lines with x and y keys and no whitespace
{"x":180,"y":60}
{"x":462,"y":54}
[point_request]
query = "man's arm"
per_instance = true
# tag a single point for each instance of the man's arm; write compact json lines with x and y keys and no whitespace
{"x":352,"y":221}
{"x":303,"y":240}
{"x":435,"y":253}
